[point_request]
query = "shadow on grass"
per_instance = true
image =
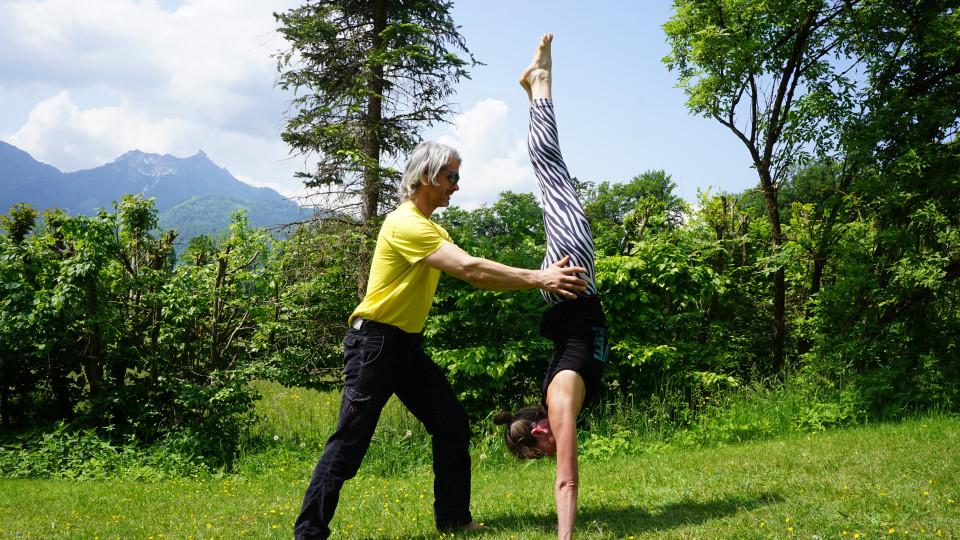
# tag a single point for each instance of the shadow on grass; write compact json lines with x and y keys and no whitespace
{"x":619,"y":521}
{"x":625,"y":520}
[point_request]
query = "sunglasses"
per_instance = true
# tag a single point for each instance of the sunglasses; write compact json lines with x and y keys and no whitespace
{"x":454,"y":177}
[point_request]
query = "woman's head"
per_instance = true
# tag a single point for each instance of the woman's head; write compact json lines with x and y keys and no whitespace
{"x":522,"y":430}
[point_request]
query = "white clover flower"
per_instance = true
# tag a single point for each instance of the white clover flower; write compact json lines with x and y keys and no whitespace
{"x":276,"y":437}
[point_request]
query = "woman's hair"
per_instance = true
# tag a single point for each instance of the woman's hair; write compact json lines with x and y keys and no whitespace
{"x":428,"y":157}
{"x":517,"y":436}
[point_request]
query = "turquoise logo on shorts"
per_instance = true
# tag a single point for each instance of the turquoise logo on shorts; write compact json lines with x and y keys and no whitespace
{"x":600,"y":348}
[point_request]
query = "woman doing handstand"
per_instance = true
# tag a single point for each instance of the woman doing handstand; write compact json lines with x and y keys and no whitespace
{"x":577,"y":327}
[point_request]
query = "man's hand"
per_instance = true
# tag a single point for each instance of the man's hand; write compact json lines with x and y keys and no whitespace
{"x":559,"y":279}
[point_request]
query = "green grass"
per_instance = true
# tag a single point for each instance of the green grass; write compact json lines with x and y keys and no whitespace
{"x":897,"y":480}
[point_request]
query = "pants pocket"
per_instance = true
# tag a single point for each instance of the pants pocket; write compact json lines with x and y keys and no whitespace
{"x":361,"y":376}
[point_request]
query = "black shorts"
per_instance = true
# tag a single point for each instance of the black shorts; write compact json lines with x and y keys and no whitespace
{"x":578,"y":330}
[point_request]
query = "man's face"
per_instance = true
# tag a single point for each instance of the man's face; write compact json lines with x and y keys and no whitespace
{"x":439,"y":196}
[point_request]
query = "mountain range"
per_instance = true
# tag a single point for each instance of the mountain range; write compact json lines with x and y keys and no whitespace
{"x":193,"y":195}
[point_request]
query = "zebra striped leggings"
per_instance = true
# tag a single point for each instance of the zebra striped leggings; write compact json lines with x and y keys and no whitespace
{"x":568,"y":232}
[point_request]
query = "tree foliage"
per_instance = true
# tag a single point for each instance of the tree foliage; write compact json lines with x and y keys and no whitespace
{"x":301,"y":337}
{"x":98,"y":328}
{"x":621,"y":213}
{"x":850,"y":81}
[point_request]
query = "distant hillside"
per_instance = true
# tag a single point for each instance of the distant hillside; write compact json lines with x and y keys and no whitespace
{"x":193,"y":195}
{"x":26,"y":180}
{"x":210,"y":214}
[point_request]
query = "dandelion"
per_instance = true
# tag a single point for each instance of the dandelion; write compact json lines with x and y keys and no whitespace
{"x":483,"y":456}
{"x":276,"y":437}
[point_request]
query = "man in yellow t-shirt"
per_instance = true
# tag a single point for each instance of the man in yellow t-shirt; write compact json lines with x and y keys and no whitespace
{"x":383,"y":352}
{"x":400,"y":291}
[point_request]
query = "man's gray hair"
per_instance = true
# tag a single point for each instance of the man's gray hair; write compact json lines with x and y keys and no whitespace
{"x":428,"y":157}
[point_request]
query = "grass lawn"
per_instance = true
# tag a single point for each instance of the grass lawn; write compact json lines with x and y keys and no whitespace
{"x":883,"y":481}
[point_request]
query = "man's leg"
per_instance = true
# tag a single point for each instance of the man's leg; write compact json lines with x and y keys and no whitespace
{"x":367,"y":387}
{"x":568,"y":231}
{"x":427,"y":393}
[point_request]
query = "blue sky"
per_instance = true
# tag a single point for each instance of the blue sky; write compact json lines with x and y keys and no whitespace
{"x":83,"y":82}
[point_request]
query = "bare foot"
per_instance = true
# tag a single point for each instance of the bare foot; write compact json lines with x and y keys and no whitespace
{"x":536,"y":78}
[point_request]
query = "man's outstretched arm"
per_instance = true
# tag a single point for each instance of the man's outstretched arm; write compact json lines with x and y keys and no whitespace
{"x":491,"y":275}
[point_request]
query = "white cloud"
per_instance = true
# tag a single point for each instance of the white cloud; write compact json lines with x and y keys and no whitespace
{"x":494,"y":155}
{"x":198,"y":77}
{"x":61,"y":133}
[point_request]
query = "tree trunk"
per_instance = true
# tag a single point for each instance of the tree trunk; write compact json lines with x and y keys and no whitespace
{"x":779,"y":335}
{"x":820,"y":260}
{"x":217,"y":308}
{"x":371,"y":144}
{"x":93,"y":368}
{"x":4,"y":405}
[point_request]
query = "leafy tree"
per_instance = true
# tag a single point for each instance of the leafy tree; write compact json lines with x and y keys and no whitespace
{"x":18,"y":275}
{"x":812,"y":199}
{"x":373,"y":73}
{"x":208,"y":346}
{"x":301,"y":337}
{"x":901,"y":268}
{"x":97,"y":328}
{"x":766,"y":71}
{"x":620,"y":213}
{"x":19,"y":222}
{"x":199,"y":250}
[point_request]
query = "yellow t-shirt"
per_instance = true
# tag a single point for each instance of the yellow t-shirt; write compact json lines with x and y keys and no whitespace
{"x":400,"y":289}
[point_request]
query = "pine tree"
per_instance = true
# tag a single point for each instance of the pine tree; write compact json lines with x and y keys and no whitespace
{"x":368,"y":76}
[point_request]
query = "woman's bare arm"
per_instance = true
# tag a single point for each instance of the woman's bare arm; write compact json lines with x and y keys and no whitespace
{"x":564,"y":399}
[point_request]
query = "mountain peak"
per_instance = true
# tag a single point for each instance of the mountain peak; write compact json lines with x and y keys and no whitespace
{"x":154,"y":165}
{"x":170,"y":179}
{"x":128,"y":156}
